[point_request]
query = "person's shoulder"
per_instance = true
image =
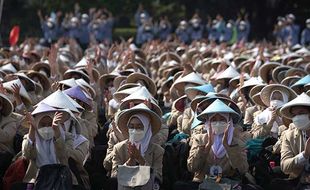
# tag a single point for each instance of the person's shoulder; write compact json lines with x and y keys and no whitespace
{"x":157,"y":147}
{"x":121,"y":144}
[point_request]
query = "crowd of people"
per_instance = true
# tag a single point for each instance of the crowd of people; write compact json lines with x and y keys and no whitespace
{"x":169,"y":114}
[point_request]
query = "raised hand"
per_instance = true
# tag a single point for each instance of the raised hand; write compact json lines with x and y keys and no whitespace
{"x":225,"y":136}
{"x":58,"y":119}
{"x":30,"y":121}
{"x":2,"y":89}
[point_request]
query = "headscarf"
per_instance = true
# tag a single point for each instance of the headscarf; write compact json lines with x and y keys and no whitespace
{"x":217,"y":146}
{"x":266,"y":115}
{"x":70,"y":126}
{"x":45,"y":148}
{"x":144,"y":143}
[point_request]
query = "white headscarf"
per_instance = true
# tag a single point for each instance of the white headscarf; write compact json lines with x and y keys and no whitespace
{"x":45,"y":148}
{"x":266,"y":115}
{"x":77,"y":137}
{"x":218,"y":147}
{"x":144,"y":143}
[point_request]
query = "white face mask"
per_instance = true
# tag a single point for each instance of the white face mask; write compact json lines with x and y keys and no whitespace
{"x":46,"y":133}
{"x":112,"y":90}
{"x":276,"y":103}
{"x":301,"y":122}
{"x":135,"y":135}
{"x":308,"y":25}
{"x":219,"y":127}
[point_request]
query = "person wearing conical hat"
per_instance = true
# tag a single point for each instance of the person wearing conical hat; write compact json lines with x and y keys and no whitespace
{"x":188,"y":114}
{"x":295,"y":144}
{"x":89,"y":118}
{"x":140,"y":124}
{"x":8,"y":129}
{"x":46,"y":141}
{"x":219,"y":152}
{"x":268,"y":122}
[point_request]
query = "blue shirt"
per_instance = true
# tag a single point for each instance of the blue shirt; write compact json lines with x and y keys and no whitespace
{"x":305,"y":37}
{"x":196,"y":33}
{"x":50,"y":34}
{"x":183,"y":35}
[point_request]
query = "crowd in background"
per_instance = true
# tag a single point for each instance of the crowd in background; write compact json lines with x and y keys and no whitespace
{"x":182,"y":111}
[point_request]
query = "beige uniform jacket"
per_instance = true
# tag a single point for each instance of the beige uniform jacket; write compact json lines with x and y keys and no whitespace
{"x":292,"y":144}
{"x":153,"y":157}
{"x":29,"y":151}
{"x":199,"y":162}
{"x":8,"y":128}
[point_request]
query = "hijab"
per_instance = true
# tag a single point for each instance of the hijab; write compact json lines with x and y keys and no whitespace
{"x":144,"y":143}
{"x":217,"y":146}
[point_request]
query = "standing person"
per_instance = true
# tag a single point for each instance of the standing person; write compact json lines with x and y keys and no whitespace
{"x":182,"y":32}
{"x":141,"y":16}
{"x":84,"y":31}
{"x":107,"y":26}
{"x":164,"y":29}
{"x":294,"y":28}
{"x":243,"y":31}
{"x":196,"y":29}
{"x":49,"y":28}
{"x":145,"y":33}
{"x":305,"y":35}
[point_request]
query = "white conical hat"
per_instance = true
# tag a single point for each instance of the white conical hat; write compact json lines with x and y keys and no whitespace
{"x":229,"y":73}
{"x":23,"y":93}
{"x":81,"y":63}
{"x":301,"y":100}
{"x":193,"y":77}
{"x":82,"y":83}
{"x":141,"y":95}
{"x":60,"y":100}
{"x":119,"y":95}
{"x":8,"y":67}
{"x":69,"y":82}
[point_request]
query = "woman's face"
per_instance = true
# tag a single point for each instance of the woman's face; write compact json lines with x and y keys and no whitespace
{"x":135,"y":123}
{"x":299,"y":110}
{"x":277,"y":96}
{"x":217,"y":117}
{"x":46,"y":121}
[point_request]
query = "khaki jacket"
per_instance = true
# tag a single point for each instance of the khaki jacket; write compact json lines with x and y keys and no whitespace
{"x":153,"y":157}
{"x":199,"y":162}
{"x":187,"y":120}
{"x":249,"y":115}
{"x":292,"y":145}
{"x":90,"y":121}
{"x":78,"y":155}
{"x":8,"y":128}
{"x":29,"y":152}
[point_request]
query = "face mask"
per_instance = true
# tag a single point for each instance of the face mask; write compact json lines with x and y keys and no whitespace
{"x":46,"y":133}
{"x":241,"y":27}
{"x":84,"y":21}
{"x":74,"y":25}
{"x":135,"y":135}
{"x":163,"y":26}
{"x":276,"y":103}
{"x":147,"y":28}
{"x":308,"y":25}
{"x":301,"y":122}
{"x":218,"y":127}
{"x":112,"y":90}
{"x":95,"y":26}
{"x":49,"y":24}
{"x":195,"y":24}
